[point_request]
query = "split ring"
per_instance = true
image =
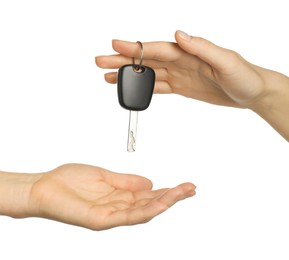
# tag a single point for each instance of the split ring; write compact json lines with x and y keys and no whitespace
{"x":138,"y":67}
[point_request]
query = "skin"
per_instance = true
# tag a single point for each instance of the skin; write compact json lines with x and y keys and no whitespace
{"x":86,"y":196}
{"x":196,"y":68}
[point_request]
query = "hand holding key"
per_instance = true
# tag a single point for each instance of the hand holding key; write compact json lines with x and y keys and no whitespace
{"x":192,"y":67}
{"x":196,"y":68}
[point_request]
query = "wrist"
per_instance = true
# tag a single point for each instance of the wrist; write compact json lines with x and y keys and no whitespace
{"x":272,"y":93}
{"x":272,"y":105}
{"x":15,"y":189}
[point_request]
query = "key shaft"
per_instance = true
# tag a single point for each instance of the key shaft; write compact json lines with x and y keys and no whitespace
{"x":132,"y":131}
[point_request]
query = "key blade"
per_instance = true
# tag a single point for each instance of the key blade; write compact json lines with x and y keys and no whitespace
{"x":132,"y":128}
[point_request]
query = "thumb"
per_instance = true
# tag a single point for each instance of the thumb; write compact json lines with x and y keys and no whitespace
{"x":207,"y":51}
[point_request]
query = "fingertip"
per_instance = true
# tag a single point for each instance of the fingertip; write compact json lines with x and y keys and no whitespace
{"x":181,"y":35}
{"x":96,"y":60}
{"x":101,"y":61}
{"x":119,"y":45}
{"x":111,"y":77}
{"x":114,"y":43}
{"x":206,"y":50}
{"x":191,"y":190}
{"x":192,"y":45}
{"x":191,"y":185}
{"x":126,"y":48}
{"x":148,"y":183}
{"x":186,"y":190}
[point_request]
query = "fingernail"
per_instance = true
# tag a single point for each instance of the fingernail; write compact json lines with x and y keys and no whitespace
{"x":184,"y":35}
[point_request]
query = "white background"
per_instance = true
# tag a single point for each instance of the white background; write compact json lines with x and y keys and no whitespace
{"x":56,"y":108}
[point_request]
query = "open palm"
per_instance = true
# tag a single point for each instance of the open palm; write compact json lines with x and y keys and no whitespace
{"x":98,"y":199}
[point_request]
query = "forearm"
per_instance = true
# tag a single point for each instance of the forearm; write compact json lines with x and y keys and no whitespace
{"x":15,"y":193}
{"x":274,"y":105}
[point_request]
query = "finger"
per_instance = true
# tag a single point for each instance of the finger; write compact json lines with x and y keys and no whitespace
{"x":112,"y":61}
{"x":160,"y":51}
{"x":111,"y":77}
{"x":153,"y":208}
{"x":129,"y":182}
{"x":161,"y":75}
{"x":149,"y":194}
{"x":186,"y":188}
{"x":181,"y":192}
{"x":214,"y":55}
{"x":116,"y":61}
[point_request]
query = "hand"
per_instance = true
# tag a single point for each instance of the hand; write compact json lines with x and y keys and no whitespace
{"x":196,"y":68}
{"x":99,"y":199}
{"x":193,"y":67}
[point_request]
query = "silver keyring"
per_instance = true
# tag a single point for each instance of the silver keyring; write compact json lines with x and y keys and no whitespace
{"x":138,"y":67}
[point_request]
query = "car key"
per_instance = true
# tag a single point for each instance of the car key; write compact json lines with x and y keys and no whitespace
{"x":135,"y":89}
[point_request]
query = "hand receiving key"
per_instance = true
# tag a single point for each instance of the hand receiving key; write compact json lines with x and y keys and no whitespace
{"x":135,"y":90}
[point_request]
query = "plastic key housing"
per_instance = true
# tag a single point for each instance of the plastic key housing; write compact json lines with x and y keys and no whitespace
{"x":135,"y":86}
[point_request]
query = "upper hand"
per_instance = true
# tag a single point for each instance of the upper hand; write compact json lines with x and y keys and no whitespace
{"x":193,"y":67}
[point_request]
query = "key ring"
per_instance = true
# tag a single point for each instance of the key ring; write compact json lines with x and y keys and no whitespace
{"x":137,"y":68}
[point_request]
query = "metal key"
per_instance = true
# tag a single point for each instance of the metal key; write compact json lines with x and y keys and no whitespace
{"x":135,"y":90}
{"x":132,"y":127}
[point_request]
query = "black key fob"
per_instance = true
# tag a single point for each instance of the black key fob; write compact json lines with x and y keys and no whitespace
{"x":135,"y":86}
